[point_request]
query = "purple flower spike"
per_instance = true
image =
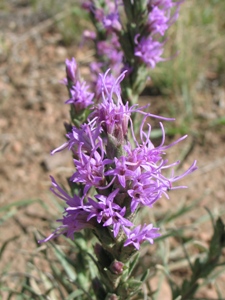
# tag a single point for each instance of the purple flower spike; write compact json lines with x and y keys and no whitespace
{"x":125,"y":175}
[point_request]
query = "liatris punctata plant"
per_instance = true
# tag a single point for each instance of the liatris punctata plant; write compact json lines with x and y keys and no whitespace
{"x":117,"y":169}
{"x":117,"y":173}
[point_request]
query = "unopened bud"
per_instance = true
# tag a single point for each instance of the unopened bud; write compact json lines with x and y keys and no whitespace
{"x":116,"y":267}
{"x":71,"y":69}
{"x":111,"y":297}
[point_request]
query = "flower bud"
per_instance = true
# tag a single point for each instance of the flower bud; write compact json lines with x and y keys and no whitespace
{"x":116,"y":267}
{"x":111,"y":297}
{"x":71,"y":69}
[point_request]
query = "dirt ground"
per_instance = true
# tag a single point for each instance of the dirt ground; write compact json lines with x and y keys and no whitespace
{"x":32,"y":113}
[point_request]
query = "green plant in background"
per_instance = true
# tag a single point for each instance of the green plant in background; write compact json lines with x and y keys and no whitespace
{"x":68,"y":18}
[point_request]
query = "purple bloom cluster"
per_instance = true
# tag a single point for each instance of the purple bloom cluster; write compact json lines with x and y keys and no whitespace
{"x":122,"y":176}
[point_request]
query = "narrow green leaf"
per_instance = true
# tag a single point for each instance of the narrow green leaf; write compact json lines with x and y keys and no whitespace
{"x":171,"y":233}
{"x":7,"y":216}
{"x":2,"y":249}
{"x":59,"y":278}
{"x":180,"y":212}
{"x":213,"y":276}
{"x":30,"y":289}
{"x":133,"y":263}
{"x":218,"y":291}
{"x":144,"y":275}
{"x":218,"y":121}
{"x":20,"y":204}
{"x":65,"y":264}
{"x":178,"y":298}
{"x":74,"y":295}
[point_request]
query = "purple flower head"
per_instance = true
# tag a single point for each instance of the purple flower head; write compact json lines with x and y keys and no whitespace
{"x":148,"y":183}
{"x":75,"y":221}
{"x":72,"y":222}
{"x":99,"y":12}
{"x":116,"y":220}
{"x":157,"y":21}
{"x":111,"y":22}
{"x":87,"y":136}
{"x":71,"y":69}
{"x":149,"y":51}
{"x":140,"y":234}
{"x":160,"y":18}
{"x":111,"y":114}
{"x":146,"y":189}
{"x":109,"y":213}
{"x":75,"y":215}
{"x":74,"y":201}
{"x":80,"y":97}
{"x":105,"y":83}
{"x":102,"y":208}
{"x":90,"y":168}
{"x":121,"y":171}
